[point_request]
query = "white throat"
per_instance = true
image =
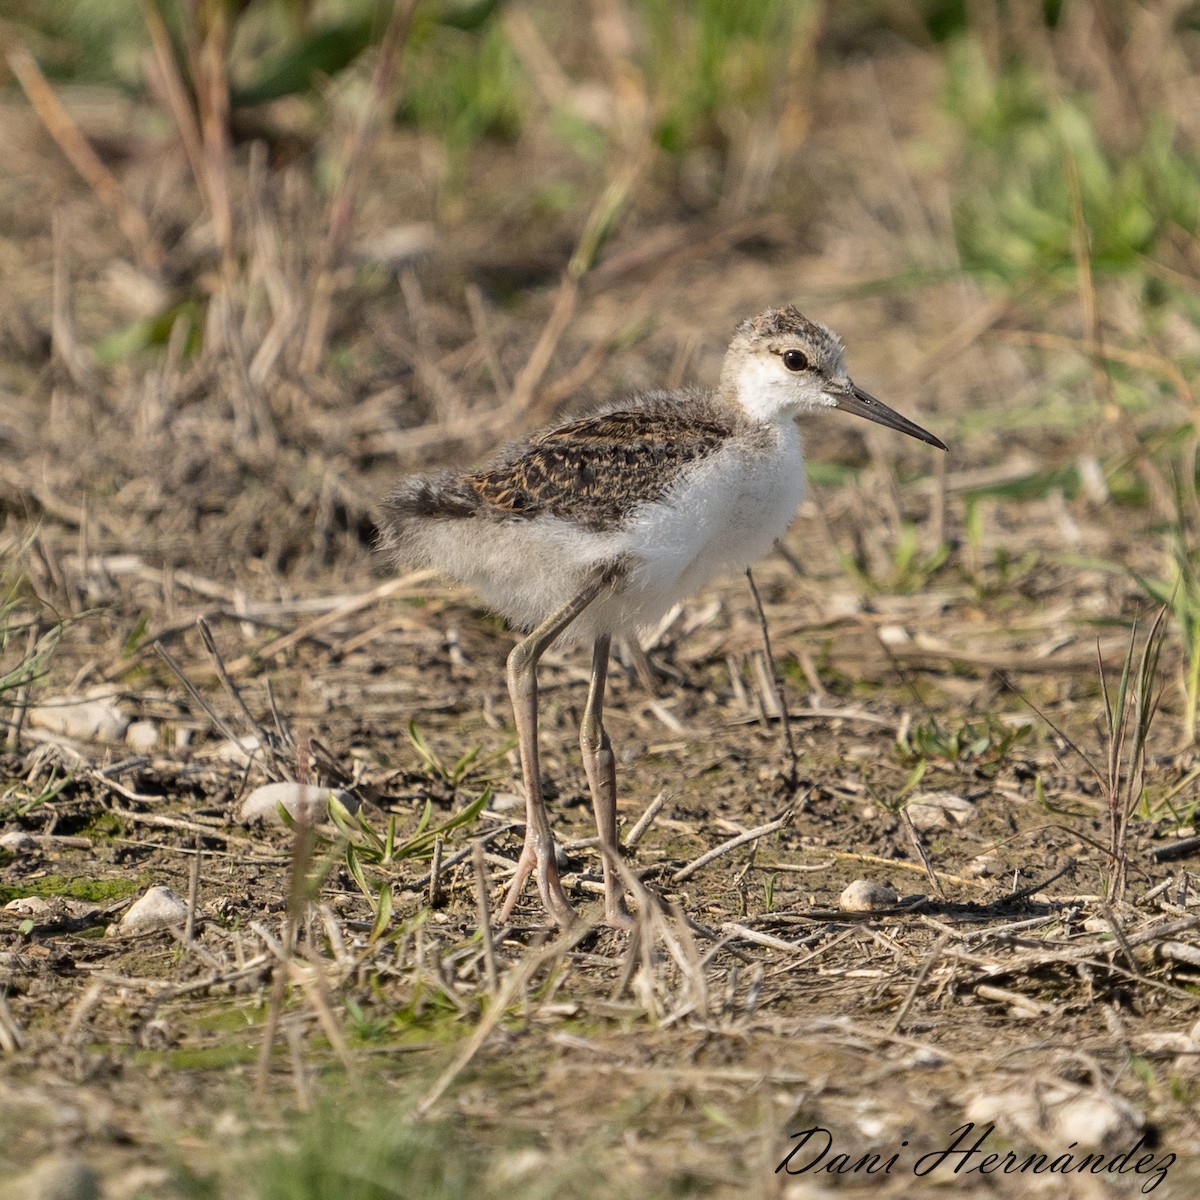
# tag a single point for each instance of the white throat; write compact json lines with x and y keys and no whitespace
{"x":768,"y":394}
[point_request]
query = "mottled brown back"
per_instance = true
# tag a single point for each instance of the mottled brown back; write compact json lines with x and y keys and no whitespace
{"x":595,"y":471}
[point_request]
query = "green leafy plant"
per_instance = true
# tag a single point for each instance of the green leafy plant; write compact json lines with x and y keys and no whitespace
{"x":463,"y":84}
{"x":1179,"y":594}
{"x":1016,"y":213}
{"x":373,"y":1159}
{"x":1128,"y":715}
{"x":367,"y":854}
{"x":22,"y":798}
{"x":909,"y":568}
{"x":461,"y":768}
{"x":26,"y":643}
{"x":711,"y":59}
{"x":973,"y":741}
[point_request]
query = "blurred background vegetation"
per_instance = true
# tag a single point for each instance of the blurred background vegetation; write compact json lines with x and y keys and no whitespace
{"x":260,"y":256}
{"x":1063,"y":132}
{"x":469,"y":215}
{"x":266,"y":184}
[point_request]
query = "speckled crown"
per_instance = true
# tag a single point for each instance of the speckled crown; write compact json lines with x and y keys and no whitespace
{"x":786,"y":322}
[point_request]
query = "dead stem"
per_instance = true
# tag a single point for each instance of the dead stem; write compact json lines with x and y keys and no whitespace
{"x":793,"y":771}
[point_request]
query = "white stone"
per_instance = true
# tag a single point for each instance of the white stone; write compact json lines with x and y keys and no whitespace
{"x":1165,"y":1041}
{"x":142,"y":735}
{"x":864,"y":895}
{"x":17,"y":842}
{"x":984,"y":866}
{"x":938,"y":810}
{"x":1060,"y":1114}
{"x":399,"y":244}
{"x":842,"y":604}
{"x":521,"y":1166}
{"x":308,"y":799}
{"x":28,"y":906}
{"x":240,"y":751}
{"x":159,"y":908}
{"x":92,"y":717}
{"x":925,"y":1056}
{"x":1095,"y":1120}
{"x":503,"y":802}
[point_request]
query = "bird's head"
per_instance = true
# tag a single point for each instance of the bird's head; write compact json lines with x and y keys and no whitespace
{"x":780,"y":364}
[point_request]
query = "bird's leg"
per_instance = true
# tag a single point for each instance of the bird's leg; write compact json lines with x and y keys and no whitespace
{"x":601,"y":767}
{"x":537,"y":855}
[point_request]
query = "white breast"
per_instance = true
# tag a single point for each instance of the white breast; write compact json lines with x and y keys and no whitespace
{"x":722,"y":514}
{"x":721,"y":517}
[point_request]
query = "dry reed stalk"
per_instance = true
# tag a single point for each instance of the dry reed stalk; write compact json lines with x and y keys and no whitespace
{"x":789,"y":745}
{"x":266,"y":264}
{"x":12,"y":1036}
{"x":922,"y":974}
{"x":530,"y":375}
{"x":485,"y":918}
{"x":435,"y":873}
{"x":1128,"y":717}
{"x":162,"y":74}
{"x":633,"y":130}
{"x":189,"y":929}
{"x":742,"y":839}
{"x":207,"y":41}
{"x":79,"y":153}
{"x":918,"y":845}
{"x":644,"y":822}
{"x":354,"y":161}
{"x":515,"y":986}
{"x":316,"y":989}
{"x":487,"y":345}
{"x":354,"y":604}
{"x":74,"y":356}
{"x":1139,"y":359}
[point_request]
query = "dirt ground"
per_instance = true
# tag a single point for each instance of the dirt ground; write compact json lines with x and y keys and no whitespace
{"x":935,"y":625}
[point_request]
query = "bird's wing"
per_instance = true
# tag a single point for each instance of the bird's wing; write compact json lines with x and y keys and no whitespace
{"x":599,"y":469}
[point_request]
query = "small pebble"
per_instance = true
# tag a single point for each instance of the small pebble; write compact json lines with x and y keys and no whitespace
{"x":522,"y":1166}
{"x":984,"y":866}
{"x":92,"y":717}
{"x":938,"y":810}
{"x":398,"y":244}
{"x":142,"y":735}
{"x":239,"y":751}
{"x":1091,"y":1119}
{"x":505,"y":802}
{"x":842,"y":604}
{"x":1165,"y":1041}
{"x":159,"y":908}
{"x":864,"y":895}
{"x":308,"y":799}
{"x":17,"y":842}
{"x":1096,"y":1120}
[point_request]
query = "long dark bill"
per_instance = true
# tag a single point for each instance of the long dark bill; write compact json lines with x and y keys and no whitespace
{"x":863,"y":404}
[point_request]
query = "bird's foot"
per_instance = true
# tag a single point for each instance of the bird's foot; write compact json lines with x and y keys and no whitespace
{"x":538,"y":859}
{"x":617,"y":915}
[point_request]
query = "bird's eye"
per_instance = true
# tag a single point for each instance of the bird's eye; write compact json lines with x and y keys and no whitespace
{"x":795,"y":360}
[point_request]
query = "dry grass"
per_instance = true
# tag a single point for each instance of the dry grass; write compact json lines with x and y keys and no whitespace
{"x":196,"y":495}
